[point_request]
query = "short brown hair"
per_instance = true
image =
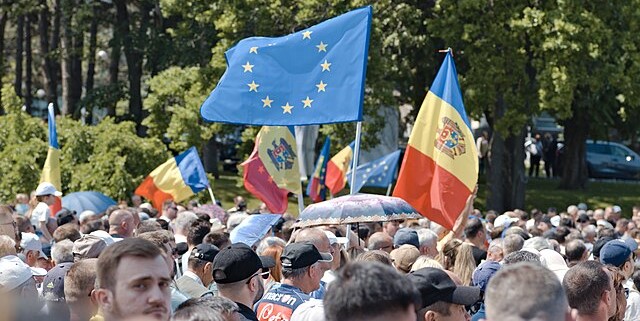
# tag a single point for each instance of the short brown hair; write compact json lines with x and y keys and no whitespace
{"x":158,"y":238}
{"x":110,"y":258}
{"x":66,"y":232}
{"x":80,"y":280}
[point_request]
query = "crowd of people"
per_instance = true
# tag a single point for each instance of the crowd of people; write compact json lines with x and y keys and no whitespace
{"x":134,"y":262}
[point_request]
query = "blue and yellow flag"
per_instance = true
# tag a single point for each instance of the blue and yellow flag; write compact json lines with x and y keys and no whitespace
{"x":314,"y":76}
{"x":378,"y":173}
{"x":317,"y":190}
{"x":51,"y":169}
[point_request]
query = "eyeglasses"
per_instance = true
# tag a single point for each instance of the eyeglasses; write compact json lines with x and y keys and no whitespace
{"x":265,"y":275}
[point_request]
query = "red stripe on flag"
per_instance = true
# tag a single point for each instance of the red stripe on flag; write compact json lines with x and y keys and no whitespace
{"x":150,"y":191}
{"x":259,"y":183}
{"x":436,"y":193}
{"x":335,"y":178}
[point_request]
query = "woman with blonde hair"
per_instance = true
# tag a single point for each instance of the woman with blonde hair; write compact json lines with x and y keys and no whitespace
{"x":457,"y":257}
{"x":424,"y":261}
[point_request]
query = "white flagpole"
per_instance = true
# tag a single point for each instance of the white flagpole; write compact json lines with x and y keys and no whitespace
{"x":389,"y":189}
{"x":213,"y":198}
{"x":354,"y":167}
{"x":300,"y":196}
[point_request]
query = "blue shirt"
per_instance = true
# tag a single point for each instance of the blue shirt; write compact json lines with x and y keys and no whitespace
{"x":280,"y":302}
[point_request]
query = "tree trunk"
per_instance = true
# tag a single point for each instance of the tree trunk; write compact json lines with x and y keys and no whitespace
{"x":28,"y":63}
{"x":19,"y":41}
{"x":76,"y":69}
{"x":93,"y":43}
{"x":56,"y":69}
{"x":134,"y":63}
{"x":3,"y":24}
{"x":210,"y":156}
{"x":50,"y":78}
{"x":70,"y":94}
{"x":505,"y":171}
{"x":576,"y":131}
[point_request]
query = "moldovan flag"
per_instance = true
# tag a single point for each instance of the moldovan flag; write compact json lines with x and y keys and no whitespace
{"x":177,"y":179}
{"x":51,"y":169}
{"x":272,"y":170}
{"x":317,"y":190}
{"x":337,"y":169}
{"x":440,"y":168}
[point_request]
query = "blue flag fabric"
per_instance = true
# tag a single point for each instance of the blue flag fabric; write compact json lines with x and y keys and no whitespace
{"x":314,"y":76}
{"x":317,"y":190}
{"x":378,"y":173}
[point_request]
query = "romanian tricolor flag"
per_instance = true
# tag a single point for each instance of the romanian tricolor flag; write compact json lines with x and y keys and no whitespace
{"x":272,"y":170}
{"x":440,"y":168}
{"x":177,"y":179}
{"x":317,"y":190}
{"x":51,"y":169}
{"x":337,"y":169}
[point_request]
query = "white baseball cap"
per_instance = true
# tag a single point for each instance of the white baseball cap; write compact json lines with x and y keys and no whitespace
{"x":13,"y":272}
{"x":47,"y":189}
{"x":31,"y":242}
{"x":85,"y":215}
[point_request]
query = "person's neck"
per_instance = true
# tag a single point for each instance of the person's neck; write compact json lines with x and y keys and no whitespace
{"x":78,"y":314}
{"x":600,"y":315}
{"x":238,"y":296}
{"x":477,"y":242}
{"x":296,"y":283}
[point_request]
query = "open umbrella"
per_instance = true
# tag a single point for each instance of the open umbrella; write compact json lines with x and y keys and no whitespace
{"x":358,"y":208}
{"x":253,"y":228}
{"x":214,"y":211}
{"x":90,"y":200}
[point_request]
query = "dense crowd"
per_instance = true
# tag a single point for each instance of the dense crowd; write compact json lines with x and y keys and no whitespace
{"x":134,"y":262}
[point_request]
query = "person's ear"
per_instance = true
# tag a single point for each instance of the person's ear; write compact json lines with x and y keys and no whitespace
{"x":208,"y":268}
{"x":429,"y":316}
{"x":104,"y":298}
{"x":572,"y":315}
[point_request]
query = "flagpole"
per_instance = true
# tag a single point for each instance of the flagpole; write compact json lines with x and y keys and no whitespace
{"x":213,"y":198}
{"x":300,"y":195}
{"x":354,"y":167}
{"x":389,"y":189}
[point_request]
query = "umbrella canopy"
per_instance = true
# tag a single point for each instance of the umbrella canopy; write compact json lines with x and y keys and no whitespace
{"x":253,"y":228}
{"x":90,"y":200}
{"x":358,"y":208}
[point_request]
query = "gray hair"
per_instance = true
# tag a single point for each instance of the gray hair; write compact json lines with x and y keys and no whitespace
{"x":539,"y":243}
{"x":293,"y":274}
{"x":7,"y":246}
{"x":62,"y":252}
{"x":512,"y":243}
{"x":268,"y":242}
{"x":537,"y":290}
{"x":589,"y":230}
{"x":495,"y":245}
{"x":184,"y":220}
{"x":427,"y":237}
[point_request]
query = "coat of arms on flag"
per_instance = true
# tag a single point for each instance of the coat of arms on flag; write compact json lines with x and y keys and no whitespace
{"x":450,"y":139}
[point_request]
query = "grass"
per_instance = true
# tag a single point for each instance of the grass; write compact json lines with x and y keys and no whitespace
{"x":541,"y":193}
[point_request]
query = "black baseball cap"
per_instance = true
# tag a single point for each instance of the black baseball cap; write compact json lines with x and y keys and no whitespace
{"x":205,"y":252}
{"x":299,"y":255}
{"x":53,"y":284}
{"x":238,"y":262}
{"x":435,"y":285}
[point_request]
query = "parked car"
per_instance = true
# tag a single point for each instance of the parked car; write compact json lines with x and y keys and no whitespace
{"x":608,"y":160}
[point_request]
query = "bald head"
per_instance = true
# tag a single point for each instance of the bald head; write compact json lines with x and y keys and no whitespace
{"x":121,"y":222}
{"x":381,"y":241}
{"x":315,"y":236}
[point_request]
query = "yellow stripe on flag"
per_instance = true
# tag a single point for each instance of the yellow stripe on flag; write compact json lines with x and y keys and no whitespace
{"x":167,"y":178}
{"x":436,"y":113}
{"x":51,"y":169}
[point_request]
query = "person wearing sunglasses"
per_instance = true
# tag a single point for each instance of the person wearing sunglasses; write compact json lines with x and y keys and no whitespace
{"x":239,"y":272}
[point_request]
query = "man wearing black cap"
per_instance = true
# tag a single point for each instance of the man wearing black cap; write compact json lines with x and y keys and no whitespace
{"x":237,"y":271}
{"x":442,"y":299}
{"x":195,"y":281}
{"x":302,"y":270}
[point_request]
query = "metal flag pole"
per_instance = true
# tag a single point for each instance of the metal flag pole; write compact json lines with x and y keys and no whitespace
{"x":389,"y":189}
{"x":299,"y":195}
{"x":213,"y":198}
{"x":354,"y":167}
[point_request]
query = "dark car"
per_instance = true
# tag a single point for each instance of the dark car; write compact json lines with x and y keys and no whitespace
{"x":608,"y":160}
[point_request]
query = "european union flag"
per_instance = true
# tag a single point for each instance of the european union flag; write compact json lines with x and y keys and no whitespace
{"x":378,"y":173}
{"x":314,"y":76}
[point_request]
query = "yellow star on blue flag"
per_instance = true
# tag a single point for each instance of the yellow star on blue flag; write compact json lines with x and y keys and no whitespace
{"x":325,"y":64}
{"x":378,"y":173}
